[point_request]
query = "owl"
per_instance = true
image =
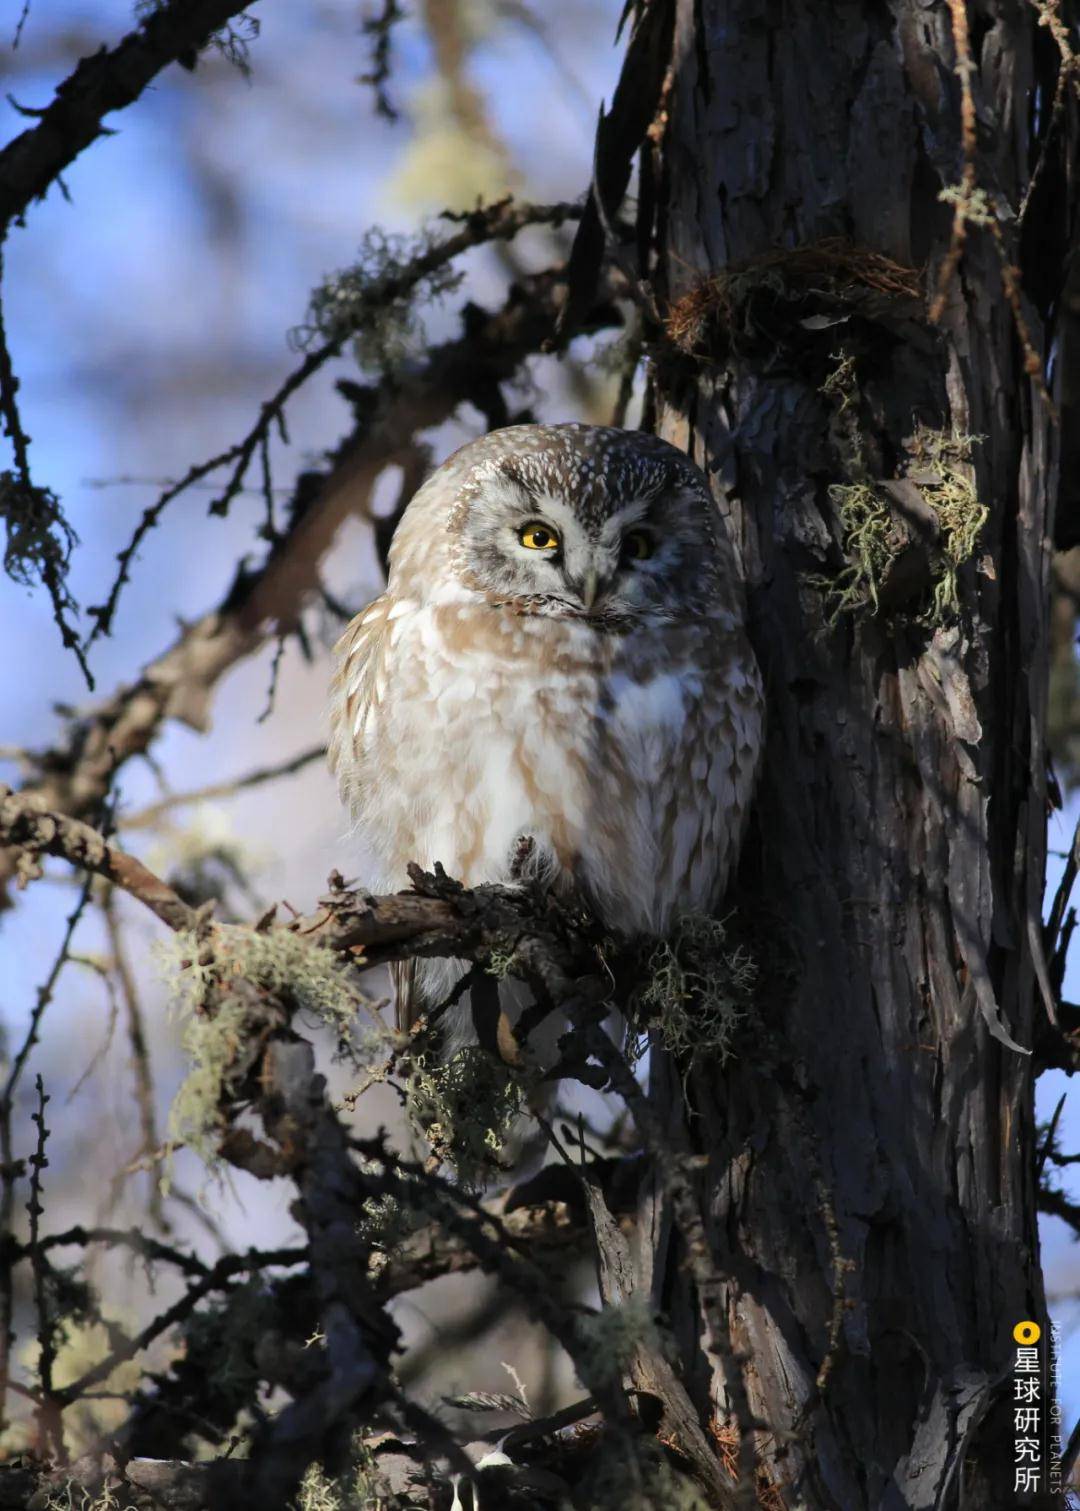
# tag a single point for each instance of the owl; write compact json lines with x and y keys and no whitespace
{"x":559,"y":655}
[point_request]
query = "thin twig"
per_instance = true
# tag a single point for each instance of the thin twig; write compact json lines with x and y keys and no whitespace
{"x":381,"y":28}
{"x":216,"y":1278}
{"x":48,"y":1422}
{"x":275,"y":670}
{"x":140,"y":1053}
{"x":103,"y":614}
{"x":147,"y":818}
{"x":964,"y":68}
{"x":1047,"y":1150}
{"x":10,"y":1170}
{"x":23,"y":15}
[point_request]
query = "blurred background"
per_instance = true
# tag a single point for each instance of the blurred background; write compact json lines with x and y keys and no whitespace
{"x":148,"y":315}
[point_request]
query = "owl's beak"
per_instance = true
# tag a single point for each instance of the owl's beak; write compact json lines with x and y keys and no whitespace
{"x":590,"y":586}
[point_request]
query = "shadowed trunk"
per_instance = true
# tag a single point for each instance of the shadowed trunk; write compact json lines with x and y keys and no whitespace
{"x":894,"y":872}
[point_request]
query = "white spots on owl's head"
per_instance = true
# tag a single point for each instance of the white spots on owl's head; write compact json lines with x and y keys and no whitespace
{"x":567,"y":521}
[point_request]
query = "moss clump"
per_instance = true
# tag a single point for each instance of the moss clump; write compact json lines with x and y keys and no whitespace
{"x":699,"y":987}
{"x":465,"y":1106}
{"x":874,"y":535}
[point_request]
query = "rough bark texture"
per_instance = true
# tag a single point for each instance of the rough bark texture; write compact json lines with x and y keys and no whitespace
{"x":899,"y":843}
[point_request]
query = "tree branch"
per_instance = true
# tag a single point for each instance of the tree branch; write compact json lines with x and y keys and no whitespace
{"x":35,"y":833}
{"x":105,"y":82}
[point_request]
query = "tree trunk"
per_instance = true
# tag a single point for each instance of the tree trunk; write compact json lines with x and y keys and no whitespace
{"x":870,"y":1155}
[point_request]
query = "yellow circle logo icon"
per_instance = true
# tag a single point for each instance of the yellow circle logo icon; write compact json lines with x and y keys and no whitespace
{"x":1027,"y":1332}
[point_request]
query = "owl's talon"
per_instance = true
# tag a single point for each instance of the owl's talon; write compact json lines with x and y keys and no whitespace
{"x":523,"y":851}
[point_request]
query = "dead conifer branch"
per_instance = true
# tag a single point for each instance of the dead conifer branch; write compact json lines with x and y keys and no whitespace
{"x":102,"y":83}
{"x":498,"y":222}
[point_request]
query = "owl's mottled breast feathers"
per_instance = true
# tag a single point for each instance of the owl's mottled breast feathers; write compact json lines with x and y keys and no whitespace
{"x":622,"y":737}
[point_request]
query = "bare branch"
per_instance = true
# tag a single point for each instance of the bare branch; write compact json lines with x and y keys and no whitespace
{"x":140,"y":1053}
{"x":380,"y":28}
{"x":102,"y":83}
{"x":36,"y":833}
{"x":39,"y":538}
{"x":216,"y":1278}
{"x":10,"y":1170}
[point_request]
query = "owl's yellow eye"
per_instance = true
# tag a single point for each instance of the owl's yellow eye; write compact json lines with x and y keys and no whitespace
{"x":638,"y":545}
{"x":538,"y":537}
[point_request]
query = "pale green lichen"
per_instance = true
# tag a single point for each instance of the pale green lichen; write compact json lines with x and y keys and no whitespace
{"x":649,"y":1482}
{"x":874,"y":536}
{"x":73,"y":1497}
{"x":500,"y":963}
{"x":699,"y":987}
{"x":360,"y":1487}
{"x":286,"y":970}
{"x":872,"y":539}
{"x":609,"y":1339}
{"x":374,"y":302}
{"x":385,"y":1222}
{"x":318,"y":1492}
{"x":212,"y":1044}
{"x":943,"y":466}
{"x":466,"y":1106}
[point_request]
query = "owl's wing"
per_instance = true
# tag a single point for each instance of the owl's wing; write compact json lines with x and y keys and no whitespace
{"x":408,"y":1001}
{"x":357,"y":690}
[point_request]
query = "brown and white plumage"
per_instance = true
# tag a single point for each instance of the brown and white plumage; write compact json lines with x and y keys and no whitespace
{"x":598,"y":695}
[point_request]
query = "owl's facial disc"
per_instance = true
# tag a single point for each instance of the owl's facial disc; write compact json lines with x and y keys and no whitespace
{"x":554,"y":563}
{"x":570,"y":553}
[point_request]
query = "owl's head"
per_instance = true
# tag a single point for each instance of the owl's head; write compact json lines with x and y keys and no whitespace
{"x":571,"y":522}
